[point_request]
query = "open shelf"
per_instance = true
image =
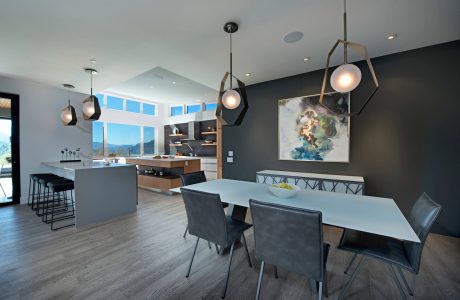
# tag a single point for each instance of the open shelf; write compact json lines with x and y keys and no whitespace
{"x":209,"y":144}
{"x":180,"y":134}
{"x":175,"y":145}
{"x":209,"y":132}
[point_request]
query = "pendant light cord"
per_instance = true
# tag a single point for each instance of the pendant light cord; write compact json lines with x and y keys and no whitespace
{"x":345,"y":50}
{"x":91,"y":84}
{"x":231,"y":60}
{"x":68,"y":95}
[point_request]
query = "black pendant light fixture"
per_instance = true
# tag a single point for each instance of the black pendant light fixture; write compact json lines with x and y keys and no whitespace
{"x":232,"y":98}
{"x":347,"y":76}
{"x":68,"y":115}
{"x":91,"y":108}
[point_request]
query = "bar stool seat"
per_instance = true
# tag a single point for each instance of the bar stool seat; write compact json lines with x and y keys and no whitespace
{"x":61,"y":185}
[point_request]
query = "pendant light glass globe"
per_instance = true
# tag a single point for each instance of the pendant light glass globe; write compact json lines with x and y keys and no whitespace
{"x":231,"y":99}
{"x":66,"y":115}
{"x":88,"y":108}
{"x":345,"y":78}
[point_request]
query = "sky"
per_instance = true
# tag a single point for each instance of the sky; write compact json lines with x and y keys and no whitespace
{"x":5,"y":130}
{"x":121,"y":134}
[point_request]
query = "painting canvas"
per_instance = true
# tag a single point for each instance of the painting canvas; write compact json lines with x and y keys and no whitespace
{"x":309,"y":131}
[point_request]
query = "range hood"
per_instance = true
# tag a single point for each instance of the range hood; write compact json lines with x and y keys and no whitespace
{"x":193,"y":131}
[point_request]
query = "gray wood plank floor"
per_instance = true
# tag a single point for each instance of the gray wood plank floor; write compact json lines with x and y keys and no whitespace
{"x":143,"y":256}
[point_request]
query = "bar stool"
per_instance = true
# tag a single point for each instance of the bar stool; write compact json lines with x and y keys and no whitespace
{"x":44,"y":185}
{"x":32,"y":185}
{"x":41,"y":195}
{"x":59,"y":191}
{"x":37,"y":195}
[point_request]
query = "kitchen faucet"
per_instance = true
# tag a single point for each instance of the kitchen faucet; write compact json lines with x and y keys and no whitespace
{"x":187,"y":144}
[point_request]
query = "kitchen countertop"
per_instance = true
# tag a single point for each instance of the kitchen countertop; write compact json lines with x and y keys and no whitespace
{"x":84,"y":165}
{"x":176,"y":158}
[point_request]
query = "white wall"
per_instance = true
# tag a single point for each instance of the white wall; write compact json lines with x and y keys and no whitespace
{"x":42,"y":135}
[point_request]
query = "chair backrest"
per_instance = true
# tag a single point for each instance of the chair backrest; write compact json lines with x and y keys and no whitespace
{"x":422,"y":216}
{"x":290,"y":238}
{"x":192,"y":178}
{"x":205,"y":215}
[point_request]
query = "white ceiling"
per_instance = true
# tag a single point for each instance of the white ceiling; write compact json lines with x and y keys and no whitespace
{"x":161,"y":85}
{"x":52,"y":41}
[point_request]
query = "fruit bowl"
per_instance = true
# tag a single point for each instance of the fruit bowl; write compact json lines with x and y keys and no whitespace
{"x":284,"y":190}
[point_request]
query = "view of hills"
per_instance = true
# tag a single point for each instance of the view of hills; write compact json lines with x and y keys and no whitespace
{"x":123,"y":150}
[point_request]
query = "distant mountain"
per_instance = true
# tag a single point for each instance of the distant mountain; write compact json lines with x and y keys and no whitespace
{"x":122,"y":150}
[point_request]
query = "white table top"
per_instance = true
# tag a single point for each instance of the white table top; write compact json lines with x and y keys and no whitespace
{"x":313,"y":175}
{"x":364,"y":213}
{"x":83,"y":165}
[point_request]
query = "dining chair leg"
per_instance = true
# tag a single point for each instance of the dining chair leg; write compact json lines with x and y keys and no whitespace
{"x":355,"y":272}
{"x":350,"y":263}
{"x":228,"y":270}
{"x":320,"y":290}
{"x":217,"y":249}
{"x":259,"y":283}
{"x":409,"y":290}
{"x":396,"y":280}
{"x":326,"y":293}
{"x":275,"y":270}
{"x":209,"y":245}
{"x":191,"y":261}
{"x":247,"y":251}
{"x":185,"y":233}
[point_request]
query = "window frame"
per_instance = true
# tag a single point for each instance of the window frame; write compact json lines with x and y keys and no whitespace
{"x":123,"y":106}
{"x":134,"y":101}
{"x":155,"y":109}
{"x":174,"y":106}
{"x":191,"y":105}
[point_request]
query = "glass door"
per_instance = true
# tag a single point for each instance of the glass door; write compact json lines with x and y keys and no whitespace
{"x":9,"y":149}
{"x":6,"y":170}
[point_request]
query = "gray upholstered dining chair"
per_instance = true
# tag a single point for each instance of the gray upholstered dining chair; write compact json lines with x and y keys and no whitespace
{"x":207,"y":220}
{"x":290,"y":238}
{"x":193,"y":178}
{"x":396,"y":253}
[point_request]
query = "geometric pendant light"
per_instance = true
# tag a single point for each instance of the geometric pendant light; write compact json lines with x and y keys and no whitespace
{"x":233,"y":98}
{"x":347,"y":76}
{"x":68,"y":115}
{"x":91,"y":108}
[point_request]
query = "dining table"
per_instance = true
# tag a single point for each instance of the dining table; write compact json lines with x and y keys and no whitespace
{"x":376,"y":215}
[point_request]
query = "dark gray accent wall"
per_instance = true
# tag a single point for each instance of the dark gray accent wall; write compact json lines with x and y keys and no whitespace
{"x":405,"y":142}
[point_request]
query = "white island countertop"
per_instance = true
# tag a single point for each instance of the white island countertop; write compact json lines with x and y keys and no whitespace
{"x":83,"y":165}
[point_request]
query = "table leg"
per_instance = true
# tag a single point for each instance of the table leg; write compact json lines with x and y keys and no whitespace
{"x":236,"y":212}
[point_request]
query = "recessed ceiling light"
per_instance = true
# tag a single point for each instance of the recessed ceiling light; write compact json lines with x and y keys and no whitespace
{"x":173,"y":82}
{"x":93,"y":61}
{"x":306,"y":59}
{"x":247,"y":74}
{"x":392,"y":36}
{"x":293,"y":37}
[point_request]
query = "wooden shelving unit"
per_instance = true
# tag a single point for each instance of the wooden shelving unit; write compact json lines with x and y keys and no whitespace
{"x":209,"y":132}
{"x":180,"y":134}
{"x":175,"y":145}
{"x":209,"y":144}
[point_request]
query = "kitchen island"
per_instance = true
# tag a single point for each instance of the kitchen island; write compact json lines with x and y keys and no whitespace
{"x":102,"y":192}
{"x":163,"y":173}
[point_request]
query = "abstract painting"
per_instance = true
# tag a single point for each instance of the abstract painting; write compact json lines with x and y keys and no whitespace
{"x":309,"y":131}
